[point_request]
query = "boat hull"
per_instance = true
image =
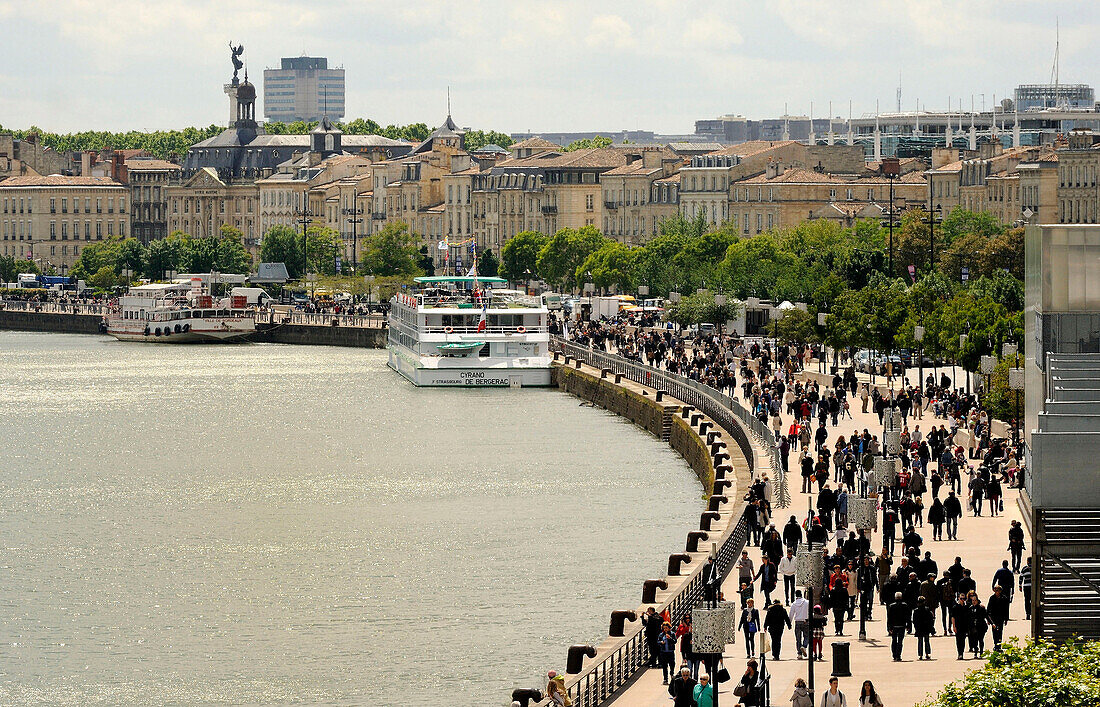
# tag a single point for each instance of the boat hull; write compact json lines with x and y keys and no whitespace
{"x":469,"y":376}
{"x":218,"y":334}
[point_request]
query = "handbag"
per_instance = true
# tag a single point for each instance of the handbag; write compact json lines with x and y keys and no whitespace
{"x":741,"y":690}
{"x":722,"y":675}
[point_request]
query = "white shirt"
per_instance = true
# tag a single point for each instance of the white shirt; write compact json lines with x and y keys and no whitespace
{"x":800,"y":610}
{"x":831,"y":700}
{"x":786,"y":566}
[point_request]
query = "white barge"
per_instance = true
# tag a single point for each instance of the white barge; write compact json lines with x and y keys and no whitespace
{"x":459,"y":331}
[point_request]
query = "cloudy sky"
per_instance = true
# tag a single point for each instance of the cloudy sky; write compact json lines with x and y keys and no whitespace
{"x":544,"y":65}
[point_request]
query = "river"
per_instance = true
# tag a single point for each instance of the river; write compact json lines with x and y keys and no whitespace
{"x":271,"y":524}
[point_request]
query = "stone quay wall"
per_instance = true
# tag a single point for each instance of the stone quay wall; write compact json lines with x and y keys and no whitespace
{"x":363,"y":337}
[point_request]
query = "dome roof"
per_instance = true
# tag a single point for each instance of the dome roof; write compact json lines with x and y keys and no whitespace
{"x":246,"y":91}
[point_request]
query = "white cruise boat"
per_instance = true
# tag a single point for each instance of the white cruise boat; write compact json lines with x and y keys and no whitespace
{"x":178,"y":314}
{"x":458,"y":331}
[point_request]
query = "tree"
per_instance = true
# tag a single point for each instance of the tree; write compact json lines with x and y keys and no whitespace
{"x":519,"y":255}
{"x":162,"y":255}
{"x":8,"y":271}
{"x":563,"y":253}
{"x":487,"y":263}
{"x":391,"y":251}
{"x":282,"y":244}
{"x":700,"y":307}
{"x":233,"y":257}
{"x":611,"y":265}
{"x":323,"y":245}
{"x":103,"y":279}
{"x":588,"y":143}
{"x":1029,"y":674}
{"x":798,"y":326}
{"x":477,"y":139}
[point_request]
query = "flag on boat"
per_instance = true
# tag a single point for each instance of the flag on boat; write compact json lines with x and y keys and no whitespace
{"x":481,"y":322}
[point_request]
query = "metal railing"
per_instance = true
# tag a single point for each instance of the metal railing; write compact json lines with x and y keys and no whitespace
{"x":611,"y":671}
{"x":730,"y":415}
{"x":322,"y":319}
{"x":54,"y":307}
{"x":603,"y":678}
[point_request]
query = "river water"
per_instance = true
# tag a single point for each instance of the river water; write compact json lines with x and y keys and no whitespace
{"x":269,"y":524}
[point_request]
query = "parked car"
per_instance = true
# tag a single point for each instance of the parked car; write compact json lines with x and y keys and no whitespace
{"x":862,"y":361}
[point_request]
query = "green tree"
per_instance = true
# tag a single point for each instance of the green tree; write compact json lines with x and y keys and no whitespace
{"x":282,"y":244}
{"x":103,"y":279}
{"x":798,"y":326}
{"x":1029,"y":674}
{"x":520,"y":255}
{"x":8,"y":270}
{"x":391,"y":251}
{"x":162,"y":255}
{"x":477,"y":139}
{"x":487,"y":263}
{"x":563,"y":253}
{"x":701,"y":307}
{"x":233,"y":257}
{"x":323,"y":245}
{"x":588,"y":143}
{"x":611,"y":265}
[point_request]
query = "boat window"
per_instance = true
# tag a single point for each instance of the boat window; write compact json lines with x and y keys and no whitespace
{"x":484,"y":352}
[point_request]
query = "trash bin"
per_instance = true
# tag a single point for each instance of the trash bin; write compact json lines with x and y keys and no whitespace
{"x":842,"y":664}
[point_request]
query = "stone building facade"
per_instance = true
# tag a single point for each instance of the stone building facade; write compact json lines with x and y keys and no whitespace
{"x":51,"y":219}
{"x":149,"y":180}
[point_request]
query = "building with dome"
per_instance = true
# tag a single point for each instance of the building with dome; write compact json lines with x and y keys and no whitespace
{"x":220,"y":179}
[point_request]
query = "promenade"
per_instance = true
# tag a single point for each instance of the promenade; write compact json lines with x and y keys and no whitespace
{"x":982,"y":544}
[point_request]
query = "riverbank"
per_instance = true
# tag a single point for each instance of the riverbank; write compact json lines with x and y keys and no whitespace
{"x":305,"y":334}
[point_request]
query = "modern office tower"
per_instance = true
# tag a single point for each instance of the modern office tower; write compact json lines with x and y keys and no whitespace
{"x":303,"y":88}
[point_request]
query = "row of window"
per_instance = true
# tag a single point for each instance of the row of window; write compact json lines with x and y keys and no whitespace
{"x":26,"y":205}
{"x":195,"y":204}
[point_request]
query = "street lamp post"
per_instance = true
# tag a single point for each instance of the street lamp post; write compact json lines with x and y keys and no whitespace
{"x":304,"y":216}
{"x":918,"y":336}
{"x":934,"y":217}
{"x":354,"y":215}
{"x":891,"y":169}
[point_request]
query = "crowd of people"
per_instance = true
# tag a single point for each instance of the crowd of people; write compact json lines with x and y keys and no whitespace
{"x":952,"y":465}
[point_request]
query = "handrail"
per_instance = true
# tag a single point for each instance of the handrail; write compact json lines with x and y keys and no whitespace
{"x":53,"y":307}
{"x":611,"y":671}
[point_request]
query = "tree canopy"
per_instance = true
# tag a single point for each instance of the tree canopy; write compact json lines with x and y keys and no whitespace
{"x":391,"y":251}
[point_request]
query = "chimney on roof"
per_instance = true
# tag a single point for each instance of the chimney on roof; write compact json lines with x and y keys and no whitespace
{"x":773,"y":169}
{"x":651,"y":159}
{"x":85,"y":164}
{"x":943,"y":155}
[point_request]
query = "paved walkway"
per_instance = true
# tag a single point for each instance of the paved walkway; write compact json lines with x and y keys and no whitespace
{"x":982,"y":545}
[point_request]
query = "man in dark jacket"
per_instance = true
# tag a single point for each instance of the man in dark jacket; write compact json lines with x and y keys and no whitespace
{"x":682,"y":689}
{"x":1004,"y":579}
{"x":997,"y":608}
{"x":768,"y":575}
{"x":952,"y":511}
{"x":775,"y":620}
{"x":924,"y":625}
{"x":652,"y":622}
{"x":960,"y":623}
{"x":792,"y":533}
{"x":899,"y":620}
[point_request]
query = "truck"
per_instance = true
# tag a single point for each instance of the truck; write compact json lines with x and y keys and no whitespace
{"x":604,"y":307}
{"x":252,"y":295}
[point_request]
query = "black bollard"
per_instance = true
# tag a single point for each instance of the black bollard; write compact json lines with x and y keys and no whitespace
{"x":706,"y":518}
{"x":693,"y":540}
{"x":524,"y":695}
{"x":619,"y":618}
{"x":575,"y":657}
{"x":649,"y":590}
{"x":674,"y":562}
{"x":716,"y":502}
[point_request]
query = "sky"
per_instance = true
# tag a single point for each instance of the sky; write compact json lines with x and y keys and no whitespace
{"x":550,"y":65}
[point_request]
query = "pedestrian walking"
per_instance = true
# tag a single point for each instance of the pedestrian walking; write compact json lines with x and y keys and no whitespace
{"x":800,"y":617}
{"x":833,"y":697}
{"x":1025,"y":588}
{"x":867,"y":695}
{"x":682,"y":689}
{"x":997,"y":609}
{"x":899,"y":621}
{"x":1016,"y":544}
{"x":776,"y":620}
{"x":801,"y":696}
{"x":960,"y":624}
{"x":924,"y":625}
{"x":750,"y":624}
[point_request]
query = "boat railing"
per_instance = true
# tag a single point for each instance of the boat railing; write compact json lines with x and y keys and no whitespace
{"x":471,"y":302}
{"x":486,"y":330}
